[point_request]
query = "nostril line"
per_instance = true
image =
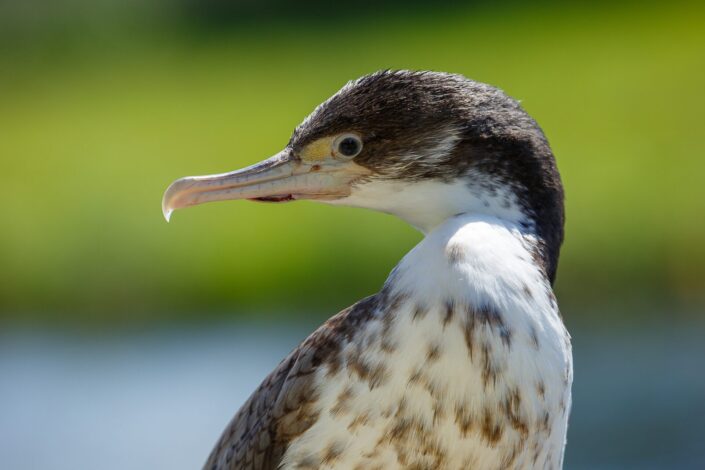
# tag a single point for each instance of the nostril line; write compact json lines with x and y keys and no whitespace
{"x":315,"y":168}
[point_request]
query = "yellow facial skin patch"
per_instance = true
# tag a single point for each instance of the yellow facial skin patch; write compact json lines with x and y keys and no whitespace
{"x":318,"y":150}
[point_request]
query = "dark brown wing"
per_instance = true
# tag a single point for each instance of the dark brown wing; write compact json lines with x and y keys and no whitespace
{"x":283,"y":407}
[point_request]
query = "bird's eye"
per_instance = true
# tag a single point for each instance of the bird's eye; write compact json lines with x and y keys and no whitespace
{"x":347,"y":146}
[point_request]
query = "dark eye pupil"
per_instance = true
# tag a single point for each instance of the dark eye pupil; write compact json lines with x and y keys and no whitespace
{"x":349,"y":146}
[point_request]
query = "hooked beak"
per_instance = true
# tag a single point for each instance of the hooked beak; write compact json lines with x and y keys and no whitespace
{"x":280,"y":178}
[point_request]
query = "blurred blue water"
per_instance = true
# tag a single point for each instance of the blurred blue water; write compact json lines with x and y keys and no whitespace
{"x":160,"y":399}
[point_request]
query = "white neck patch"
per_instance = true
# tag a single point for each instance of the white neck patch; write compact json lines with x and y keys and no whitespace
{"x":427,"y":204}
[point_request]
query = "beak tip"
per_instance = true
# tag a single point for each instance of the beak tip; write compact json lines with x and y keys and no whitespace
{"x":167,"y":211}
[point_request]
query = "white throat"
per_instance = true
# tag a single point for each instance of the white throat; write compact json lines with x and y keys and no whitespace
{"x":427,"y":204}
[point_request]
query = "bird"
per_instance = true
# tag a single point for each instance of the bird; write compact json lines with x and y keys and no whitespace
{"x":462,"y":359}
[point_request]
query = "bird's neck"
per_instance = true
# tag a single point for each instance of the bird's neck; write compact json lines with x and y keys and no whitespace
{"x":427,"y":205}
{"x":477,"y":255}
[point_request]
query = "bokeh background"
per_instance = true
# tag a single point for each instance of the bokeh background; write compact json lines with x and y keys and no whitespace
{"x":129,"y":343}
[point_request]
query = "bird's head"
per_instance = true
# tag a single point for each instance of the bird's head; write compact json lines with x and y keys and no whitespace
{"x":424,"y":146}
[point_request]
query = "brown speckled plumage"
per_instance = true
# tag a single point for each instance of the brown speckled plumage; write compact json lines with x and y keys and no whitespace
{"x":281,"y":407}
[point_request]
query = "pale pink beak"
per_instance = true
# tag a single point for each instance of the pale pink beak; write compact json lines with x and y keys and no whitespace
{"x":280,"y":178}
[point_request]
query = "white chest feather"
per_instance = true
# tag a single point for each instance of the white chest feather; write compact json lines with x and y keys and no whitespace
{"x":464,"y":364}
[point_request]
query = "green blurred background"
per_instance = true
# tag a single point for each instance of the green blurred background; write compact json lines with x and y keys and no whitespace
{"x":103,"y":103}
